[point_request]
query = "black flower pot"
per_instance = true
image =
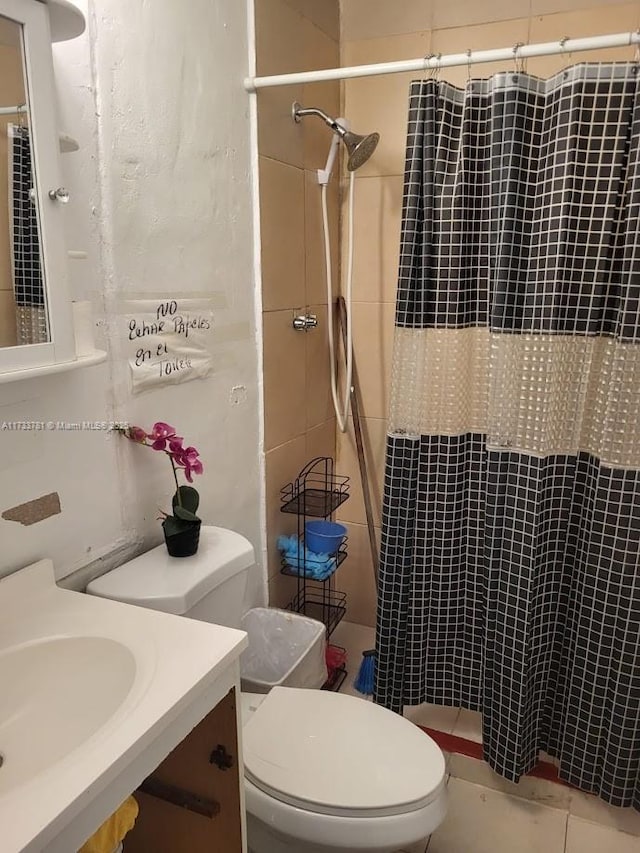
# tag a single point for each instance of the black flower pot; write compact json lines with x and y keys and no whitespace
{"x":185,"y":543}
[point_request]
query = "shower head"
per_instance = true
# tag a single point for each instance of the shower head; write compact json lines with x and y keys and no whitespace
{"x":359,"y":148}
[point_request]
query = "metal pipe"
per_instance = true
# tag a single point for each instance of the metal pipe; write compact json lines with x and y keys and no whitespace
{"x":428,"y":63}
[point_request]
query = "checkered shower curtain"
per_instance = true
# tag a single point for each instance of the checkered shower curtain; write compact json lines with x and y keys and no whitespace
{"x":510,"y":570}
{"x":26,"y":267}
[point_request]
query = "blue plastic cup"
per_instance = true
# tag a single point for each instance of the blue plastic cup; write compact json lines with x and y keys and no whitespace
{"x":324,"y":537}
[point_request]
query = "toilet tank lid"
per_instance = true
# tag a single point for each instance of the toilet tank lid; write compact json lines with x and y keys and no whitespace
{"x":176,"y":584}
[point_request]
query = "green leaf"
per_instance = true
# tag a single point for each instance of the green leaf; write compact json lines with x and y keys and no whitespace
{"x":172,"y":525}
{"x":189,"y":499}
{"x":185,"y":514}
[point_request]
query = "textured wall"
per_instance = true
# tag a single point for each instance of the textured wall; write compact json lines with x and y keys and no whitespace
{"x":161,"y":196}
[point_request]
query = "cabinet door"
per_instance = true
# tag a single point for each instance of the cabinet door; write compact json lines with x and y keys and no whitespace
{"x":209,"y":786}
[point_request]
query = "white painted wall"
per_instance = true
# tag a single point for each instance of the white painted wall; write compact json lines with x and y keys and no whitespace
{"x":161,"y":201}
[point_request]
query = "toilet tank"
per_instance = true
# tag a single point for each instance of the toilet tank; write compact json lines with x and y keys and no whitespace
{"x":209,"y":586}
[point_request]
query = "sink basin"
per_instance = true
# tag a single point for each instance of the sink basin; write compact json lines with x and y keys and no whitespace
{"x":94,"y":694}
{"x":68,"y":685}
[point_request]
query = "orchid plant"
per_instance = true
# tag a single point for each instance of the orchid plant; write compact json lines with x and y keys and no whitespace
{"x":164,"y":439}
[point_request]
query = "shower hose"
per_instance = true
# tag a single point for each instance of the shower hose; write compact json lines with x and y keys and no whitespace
{"x":341,"y":402}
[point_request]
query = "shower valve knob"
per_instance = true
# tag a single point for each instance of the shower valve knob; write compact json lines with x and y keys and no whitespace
{"x":304,"y":322}
{"x":60,"y":195}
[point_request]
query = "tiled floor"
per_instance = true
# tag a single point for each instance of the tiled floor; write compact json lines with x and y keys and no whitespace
{"x":481,"y":820}
{"x":487,"y":814}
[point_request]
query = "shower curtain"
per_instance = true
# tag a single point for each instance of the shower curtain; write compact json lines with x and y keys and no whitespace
{"x":510,"y":575}
{"x":28,"y":289}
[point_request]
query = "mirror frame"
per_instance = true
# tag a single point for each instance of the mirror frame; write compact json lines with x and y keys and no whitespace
{"x":41,"y":99}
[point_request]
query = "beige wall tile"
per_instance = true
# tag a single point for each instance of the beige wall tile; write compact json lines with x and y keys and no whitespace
{"x":482,"y":37}
{"x":464,"y":13}
{"x":387,"y":48}
{"x":282,"y":465}
{"x":284,"y":379}
{"x":323,"y":13}
{"x":589,"y":22}
{"x":375,"y":442}
{"x":355,"y":577}
{"x":321,"y":440}
{"x":7,"y":319}
{"x":326,"y":15}
{"x":279,"y":137}
{"x":315,"y":277}
{"x":319,"y":403}
{"x":286,"y":41}
{"x":373,"y":326}
{"x":377,"y":219}
{"x":279,"y":37}
{"x":549,"y":7}
{"x":380,"y":103}
{"x":368,"y":19}
{"x":282,"y":235}
{"x":282,"y":590}
{"x":279,"y":50}
{"x":320,"y":51}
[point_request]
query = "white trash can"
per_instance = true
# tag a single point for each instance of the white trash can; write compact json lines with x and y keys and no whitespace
{"x":285,"y":650}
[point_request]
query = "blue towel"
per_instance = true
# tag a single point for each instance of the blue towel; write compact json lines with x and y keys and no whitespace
{"x":304,"y":562}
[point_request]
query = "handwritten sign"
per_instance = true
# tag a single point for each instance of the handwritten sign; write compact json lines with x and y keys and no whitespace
{"x":167,"y":341}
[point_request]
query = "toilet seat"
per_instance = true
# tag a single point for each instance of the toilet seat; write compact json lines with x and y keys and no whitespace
{"x":333,"y":754}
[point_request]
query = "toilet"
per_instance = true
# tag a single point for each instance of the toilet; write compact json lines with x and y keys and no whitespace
{"x":324,"y":772}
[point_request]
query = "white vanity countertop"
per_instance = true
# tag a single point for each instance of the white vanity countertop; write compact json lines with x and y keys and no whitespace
{"x":179,"y":667}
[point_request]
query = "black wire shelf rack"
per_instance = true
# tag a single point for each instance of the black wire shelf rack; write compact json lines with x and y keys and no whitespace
{"x":317,"y":491}
{"x":326,"y":605}
{"x":292,"y":571}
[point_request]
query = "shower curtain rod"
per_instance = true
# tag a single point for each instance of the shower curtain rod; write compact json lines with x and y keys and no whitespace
{"x":13,"y":111}
{"x":436,"y":62}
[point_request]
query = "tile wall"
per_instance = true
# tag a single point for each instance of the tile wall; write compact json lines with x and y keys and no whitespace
{"x":294,"y":35}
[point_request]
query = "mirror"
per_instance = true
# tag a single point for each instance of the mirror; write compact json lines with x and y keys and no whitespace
{"x":36,"y":321}
{"x":23,"y":309}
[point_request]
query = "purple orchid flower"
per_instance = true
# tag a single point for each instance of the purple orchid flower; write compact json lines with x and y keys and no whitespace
{"x":160,"y":434}
{"x":163,"y":437}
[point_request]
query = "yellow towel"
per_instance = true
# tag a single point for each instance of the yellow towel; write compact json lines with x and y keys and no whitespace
{"x":113,"y":830}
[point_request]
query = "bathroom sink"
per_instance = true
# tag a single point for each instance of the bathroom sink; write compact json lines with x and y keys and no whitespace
{"x":69,"y":687}
{"x":94,"y":694}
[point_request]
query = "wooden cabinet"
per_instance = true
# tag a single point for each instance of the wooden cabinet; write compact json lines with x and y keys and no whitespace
{"x":191,"y":803}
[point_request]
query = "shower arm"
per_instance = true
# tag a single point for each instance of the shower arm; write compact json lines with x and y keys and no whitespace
{"x":339,"y":126}
{"x":299,"y":113}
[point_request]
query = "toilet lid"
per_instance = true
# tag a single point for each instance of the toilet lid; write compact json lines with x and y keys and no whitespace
{"x":335,"y":754}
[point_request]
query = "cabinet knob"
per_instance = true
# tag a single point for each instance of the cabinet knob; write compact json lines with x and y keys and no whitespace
{"x":221,"y":758}
{"x":59,"y":194}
